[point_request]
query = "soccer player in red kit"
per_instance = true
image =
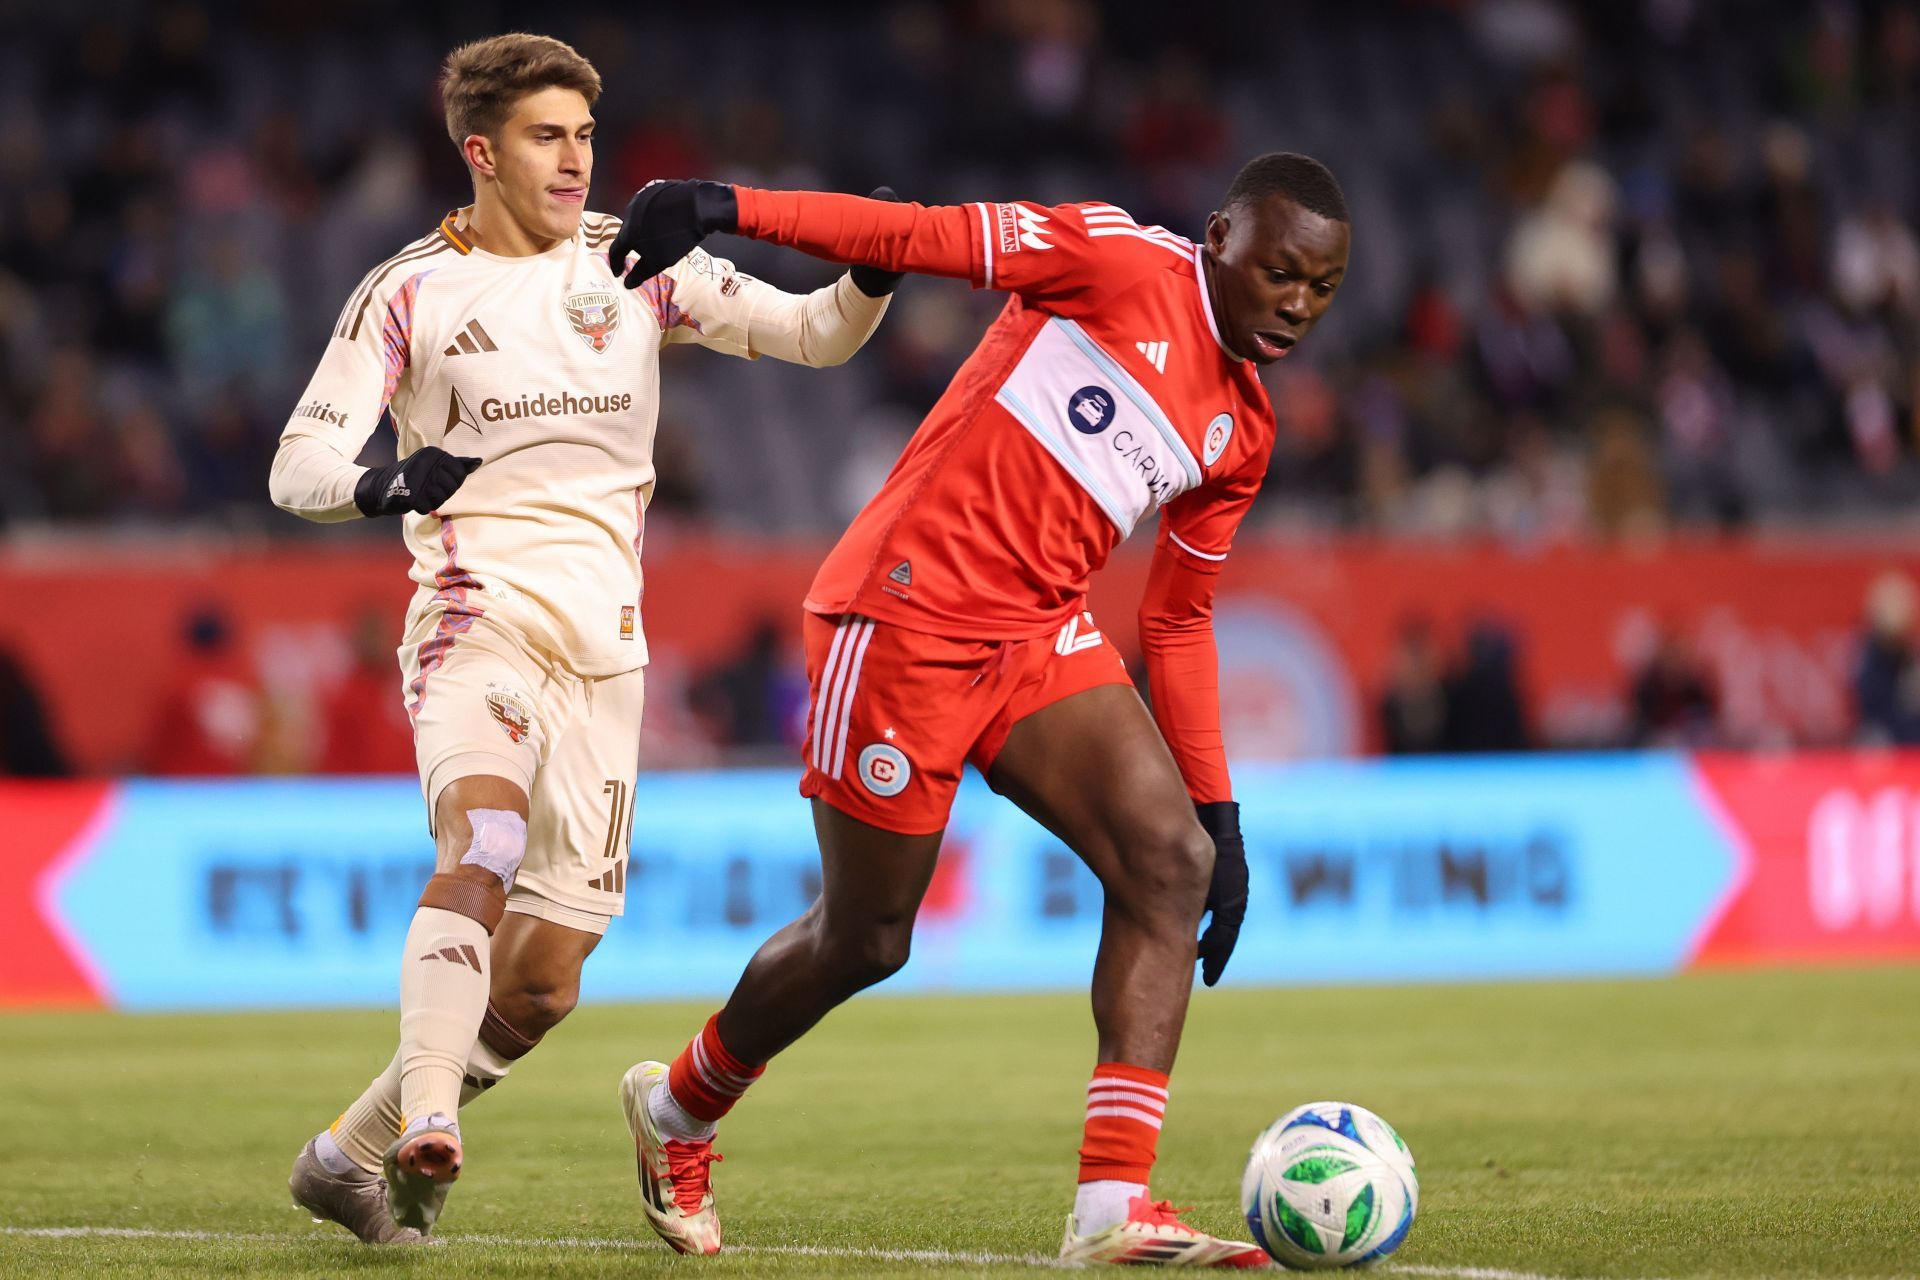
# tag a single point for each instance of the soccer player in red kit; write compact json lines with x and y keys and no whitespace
{"x":950,"y":624}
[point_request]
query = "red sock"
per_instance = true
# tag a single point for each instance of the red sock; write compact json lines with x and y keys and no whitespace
{"x":1124,"y":1108}
{"x":705,"y":1079}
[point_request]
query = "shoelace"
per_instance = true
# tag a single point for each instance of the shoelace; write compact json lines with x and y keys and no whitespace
{"x":688,"y":1169}
{"x":1159,"y":1213}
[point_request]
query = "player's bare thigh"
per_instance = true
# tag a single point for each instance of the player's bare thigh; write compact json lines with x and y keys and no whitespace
{"x":1093,"y":769}
{"x":870,"y":878}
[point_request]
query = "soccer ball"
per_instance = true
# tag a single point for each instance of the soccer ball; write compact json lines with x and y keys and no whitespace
{"x":1329,"y":1185}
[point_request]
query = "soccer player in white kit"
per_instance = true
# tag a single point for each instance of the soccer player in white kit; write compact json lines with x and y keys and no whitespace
{"x":523,"y":383}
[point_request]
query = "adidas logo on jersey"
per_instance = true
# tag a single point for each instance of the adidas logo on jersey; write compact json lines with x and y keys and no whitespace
{"x":472,"y":340}
{"x":1155,"y":352}
{"x":902,"y":574}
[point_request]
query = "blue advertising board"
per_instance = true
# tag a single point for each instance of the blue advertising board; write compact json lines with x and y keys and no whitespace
{"x":298,"y":892}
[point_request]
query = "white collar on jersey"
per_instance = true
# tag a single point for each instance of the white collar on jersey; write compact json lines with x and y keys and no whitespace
{"x":1206,"y":303}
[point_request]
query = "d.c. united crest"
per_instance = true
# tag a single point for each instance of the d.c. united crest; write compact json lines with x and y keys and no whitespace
{"x":511,"y":713}
{"x":594,"y":315}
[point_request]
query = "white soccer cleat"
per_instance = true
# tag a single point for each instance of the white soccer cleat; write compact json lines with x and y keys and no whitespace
{"x":676,"y":1179}
{"x":1153,"y":1236}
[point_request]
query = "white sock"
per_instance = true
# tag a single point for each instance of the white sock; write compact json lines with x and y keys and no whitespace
{"x":371,"y":1122}
{"x":672,"y":1120}
{"x":443,"y":996}
{"x":485,"y":1069}
{"x":361,"y":1134}
{"x":1102,"y":1203}
{"x":332,"y":1158}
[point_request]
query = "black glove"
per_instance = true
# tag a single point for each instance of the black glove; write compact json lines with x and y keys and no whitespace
{"x":873,"y":281}
{"x":1227,"y":895}
{"x":419,"y":482}
{"x":666,"y":220}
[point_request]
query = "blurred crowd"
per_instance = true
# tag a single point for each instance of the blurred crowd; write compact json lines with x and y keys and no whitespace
{"x":1617,"y":267}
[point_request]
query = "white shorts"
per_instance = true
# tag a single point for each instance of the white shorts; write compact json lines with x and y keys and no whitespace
{"x":484,"y":701}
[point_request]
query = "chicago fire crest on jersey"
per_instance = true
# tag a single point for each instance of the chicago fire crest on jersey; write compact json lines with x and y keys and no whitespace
{"x":594,"y":315}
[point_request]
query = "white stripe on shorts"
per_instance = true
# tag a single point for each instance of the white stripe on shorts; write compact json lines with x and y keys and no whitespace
{"x":820,"y":698}
{"x":835,"y":697}
{"x":846,"y":704}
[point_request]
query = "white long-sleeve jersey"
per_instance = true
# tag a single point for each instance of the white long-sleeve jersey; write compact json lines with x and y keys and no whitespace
{"x":547,"y":369}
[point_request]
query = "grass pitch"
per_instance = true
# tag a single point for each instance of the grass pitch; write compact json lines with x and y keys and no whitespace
{"x":1730,"y":1124}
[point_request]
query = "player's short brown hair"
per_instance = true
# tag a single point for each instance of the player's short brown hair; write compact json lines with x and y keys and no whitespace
{"x":481,"y":81}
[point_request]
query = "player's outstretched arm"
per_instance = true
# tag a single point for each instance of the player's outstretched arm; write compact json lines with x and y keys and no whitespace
{"x":876,"y":282}
{"x":667,"y":219}
{"x":934,"y":240}
{"x":724,"y":310}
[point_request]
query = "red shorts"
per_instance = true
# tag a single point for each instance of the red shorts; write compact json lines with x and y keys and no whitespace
{"x":893,"y":714}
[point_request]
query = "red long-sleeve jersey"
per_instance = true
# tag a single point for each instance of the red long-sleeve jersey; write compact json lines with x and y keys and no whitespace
{"x":1102,"y":393}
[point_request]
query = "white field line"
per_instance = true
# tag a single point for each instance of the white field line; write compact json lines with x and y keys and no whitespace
{"x":934,"y":1256}
{"x":937,"y":1257}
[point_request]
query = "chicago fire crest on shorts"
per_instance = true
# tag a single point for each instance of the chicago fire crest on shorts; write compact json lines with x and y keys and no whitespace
{"x":885,"y":770}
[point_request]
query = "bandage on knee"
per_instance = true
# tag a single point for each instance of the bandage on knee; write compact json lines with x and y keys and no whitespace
{"x":477,"y":888}
{"x":499,"y":843}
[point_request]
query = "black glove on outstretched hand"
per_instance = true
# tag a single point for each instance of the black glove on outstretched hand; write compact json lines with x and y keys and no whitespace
{"x":876,"y":282}
{"x":1227,"y":894}
{"x":666,"y":220}
{"x":419,"y":483}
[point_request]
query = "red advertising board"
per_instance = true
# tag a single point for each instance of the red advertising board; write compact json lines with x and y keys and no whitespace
{"x":1307,"y":627}
{"x":50,"y":827}
{"x":1827,"y":857}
